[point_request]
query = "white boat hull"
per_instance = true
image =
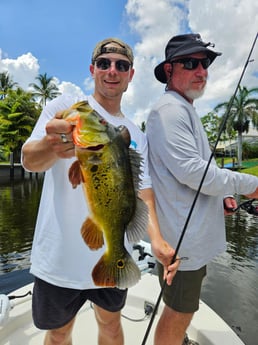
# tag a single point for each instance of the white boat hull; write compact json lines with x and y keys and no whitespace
{"x":207,"y":327}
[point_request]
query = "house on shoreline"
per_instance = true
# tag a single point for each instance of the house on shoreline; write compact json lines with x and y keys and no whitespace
{"x":229,"y":147}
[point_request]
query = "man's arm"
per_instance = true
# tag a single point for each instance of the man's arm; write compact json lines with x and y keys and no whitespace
{"x":40,"y":155}
{"x":161,"y":249}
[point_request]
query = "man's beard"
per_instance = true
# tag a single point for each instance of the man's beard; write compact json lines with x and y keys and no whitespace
{"x":193,"y":94}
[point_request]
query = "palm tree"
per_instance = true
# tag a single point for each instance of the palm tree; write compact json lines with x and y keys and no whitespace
{"x":6,"y":83}
{"x":47,"y":89}
{"x":18,"y":115}
{"x":244,"y":110}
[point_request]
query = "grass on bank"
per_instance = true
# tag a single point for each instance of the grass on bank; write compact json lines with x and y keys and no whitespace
{"x":249,"y":166}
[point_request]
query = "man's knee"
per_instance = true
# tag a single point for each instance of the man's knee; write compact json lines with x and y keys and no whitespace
{"x":60,"y":336}
{"x":109,"y":322}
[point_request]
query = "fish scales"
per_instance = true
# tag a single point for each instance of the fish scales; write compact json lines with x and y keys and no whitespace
{"x":110,"y":174}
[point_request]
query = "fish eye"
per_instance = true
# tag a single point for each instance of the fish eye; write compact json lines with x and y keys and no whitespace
{"x":103,"y":122}
{"x":120,"y":263}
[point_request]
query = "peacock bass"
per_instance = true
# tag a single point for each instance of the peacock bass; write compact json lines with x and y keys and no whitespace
{"x":110,"y":174}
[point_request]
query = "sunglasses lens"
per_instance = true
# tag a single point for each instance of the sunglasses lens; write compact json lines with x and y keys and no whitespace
{"x":121,"y":65}
{"x":205,"y":63}
{"x":193,"y":63}
{"x":103,"y":63}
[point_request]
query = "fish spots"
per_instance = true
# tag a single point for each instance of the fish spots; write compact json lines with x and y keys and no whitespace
{"x":94,"y":168}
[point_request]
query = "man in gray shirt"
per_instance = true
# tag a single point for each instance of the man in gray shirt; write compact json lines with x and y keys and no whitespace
{"x":178,"y":155}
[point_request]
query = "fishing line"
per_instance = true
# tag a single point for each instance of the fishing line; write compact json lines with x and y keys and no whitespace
{"x":199,"y":188}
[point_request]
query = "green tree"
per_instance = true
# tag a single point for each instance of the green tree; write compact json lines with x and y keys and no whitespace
{"x":6,"y":83}
{"x":244,"y":110}
{"x":18,"y":115}
{"x":210,"y":123}
{"x":46,"y":90}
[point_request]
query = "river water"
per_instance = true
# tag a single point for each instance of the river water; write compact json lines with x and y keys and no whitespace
{"x":231,"y":287}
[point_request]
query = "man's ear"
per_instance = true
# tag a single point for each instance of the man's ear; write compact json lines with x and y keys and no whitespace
{"x":168,"y":68}
{"x":92,"y":69}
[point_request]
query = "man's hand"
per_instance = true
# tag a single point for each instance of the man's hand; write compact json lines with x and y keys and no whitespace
{"x":59,"y":137}
{"x":230,"y":205}
{"x":40,"y":155}
{"x":164,"y":254}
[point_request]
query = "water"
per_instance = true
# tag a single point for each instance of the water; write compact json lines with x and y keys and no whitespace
{"x":230,"y":289}
{"x":19,"y":202}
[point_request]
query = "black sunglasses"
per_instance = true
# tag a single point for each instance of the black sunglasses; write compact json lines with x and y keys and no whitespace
{"x":193,"y":63}
{"x":121,"y":65}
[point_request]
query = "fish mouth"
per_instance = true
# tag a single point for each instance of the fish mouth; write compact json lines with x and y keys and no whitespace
{"x":95,"y":148}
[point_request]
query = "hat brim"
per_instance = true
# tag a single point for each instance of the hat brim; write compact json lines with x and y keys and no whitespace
{"x":159,"y":70}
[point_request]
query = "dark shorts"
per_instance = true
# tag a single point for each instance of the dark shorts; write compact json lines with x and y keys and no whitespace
{"x":184,"y":293}
{"x":54,"y":307}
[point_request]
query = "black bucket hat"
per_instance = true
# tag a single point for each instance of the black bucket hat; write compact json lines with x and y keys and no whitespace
{"x":183,"y":45}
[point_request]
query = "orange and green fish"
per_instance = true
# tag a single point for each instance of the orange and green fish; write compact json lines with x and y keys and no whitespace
{"x":110,"y":174}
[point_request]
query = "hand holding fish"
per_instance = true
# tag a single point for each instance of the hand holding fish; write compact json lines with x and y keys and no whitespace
{"x":40,"y":155}
{"x":59,"y":137}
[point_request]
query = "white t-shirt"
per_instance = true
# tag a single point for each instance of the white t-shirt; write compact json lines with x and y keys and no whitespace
{"x":59,"y":254}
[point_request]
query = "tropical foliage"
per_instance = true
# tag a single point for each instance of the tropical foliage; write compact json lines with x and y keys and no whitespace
{"x":243,"y":110}
{"x":19,"y":111}
{"x":46,"y":90}
{"x":6,"y":83}
{"x":18,"y":115}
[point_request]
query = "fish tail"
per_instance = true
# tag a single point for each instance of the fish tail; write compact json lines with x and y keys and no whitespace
{"x":121,"y":272}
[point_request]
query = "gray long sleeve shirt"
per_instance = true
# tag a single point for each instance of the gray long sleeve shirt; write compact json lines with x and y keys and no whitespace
{"x":178,"y":155}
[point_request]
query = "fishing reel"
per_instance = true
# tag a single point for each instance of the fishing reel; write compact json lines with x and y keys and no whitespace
{"x":249,"y":207}
{"x":246,"y":206}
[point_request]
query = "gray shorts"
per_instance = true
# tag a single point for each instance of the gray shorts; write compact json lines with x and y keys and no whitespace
{"x":184,"y":293}
{"x":54,"y":307}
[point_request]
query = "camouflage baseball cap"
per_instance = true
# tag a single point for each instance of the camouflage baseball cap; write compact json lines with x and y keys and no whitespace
{"x":105,"y":46}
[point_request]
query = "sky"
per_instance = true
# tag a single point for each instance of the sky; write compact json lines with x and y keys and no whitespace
{"x":58,"y":37}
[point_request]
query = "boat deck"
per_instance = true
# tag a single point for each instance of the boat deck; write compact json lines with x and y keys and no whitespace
{"x":207,"y":327}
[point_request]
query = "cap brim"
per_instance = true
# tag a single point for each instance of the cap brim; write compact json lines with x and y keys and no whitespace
{"x":159,"y":70}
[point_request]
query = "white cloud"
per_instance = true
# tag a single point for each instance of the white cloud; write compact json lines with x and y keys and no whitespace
{"x":25,"y":68}
{"x":231,"y":25}
{"x":70,"y":88}
{"x":148,"y":20}
{"x":22,"y":70}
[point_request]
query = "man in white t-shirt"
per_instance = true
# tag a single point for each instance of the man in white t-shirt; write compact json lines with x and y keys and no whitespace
{"x":60,"y":260}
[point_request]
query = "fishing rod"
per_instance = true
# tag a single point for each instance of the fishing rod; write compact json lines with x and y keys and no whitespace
{"x":199,"y":189}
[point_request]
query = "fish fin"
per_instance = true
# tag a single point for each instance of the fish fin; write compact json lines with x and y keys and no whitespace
{"x":137,"y":228}
{"x":122,"y":273}
{"x":92,"y":234}
{"x":136,"y":162}
{"x":74,"y":174}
